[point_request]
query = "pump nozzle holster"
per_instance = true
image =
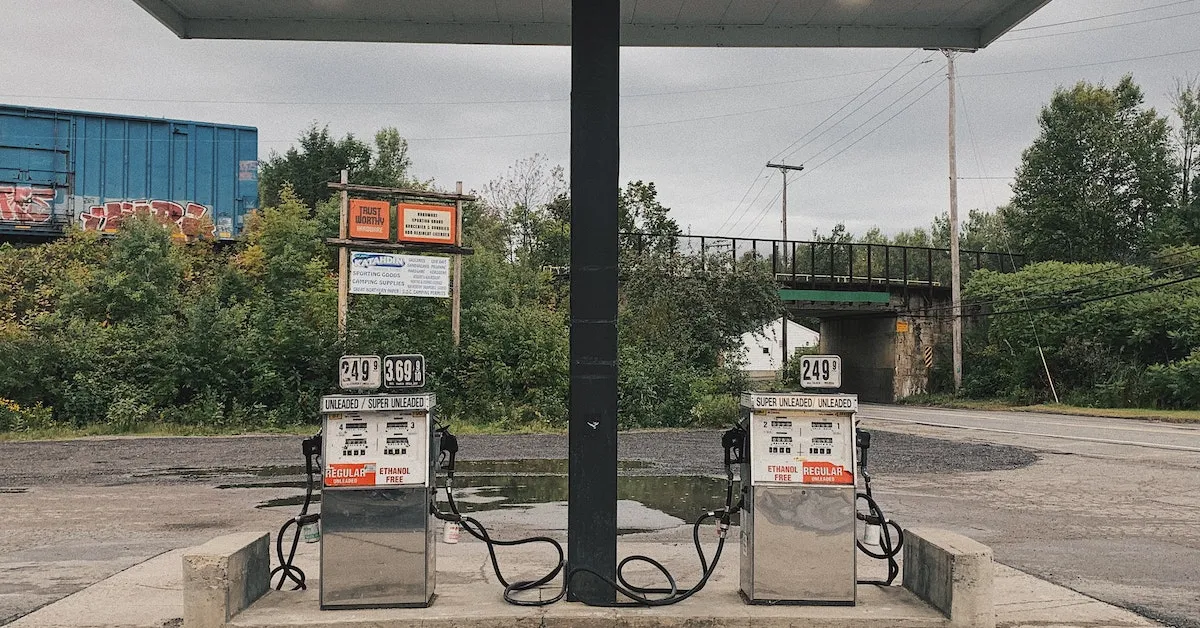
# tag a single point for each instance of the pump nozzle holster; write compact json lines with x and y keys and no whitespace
{"x":734,"y":442}
{"x":449,"y":448}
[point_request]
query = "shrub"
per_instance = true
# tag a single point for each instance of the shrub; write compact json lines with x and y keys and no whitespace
{"x":17,"y":418}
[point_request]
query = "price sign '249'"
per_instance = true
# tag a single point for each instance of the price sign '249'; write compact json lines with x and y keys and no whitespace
{"x":358,"y":372}
{"x":820,"y":371}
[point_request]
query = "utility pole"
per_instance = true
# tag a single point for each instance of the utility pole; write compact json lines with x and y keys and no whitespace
{"x":955,"y":271}
{"x":784,"y":321}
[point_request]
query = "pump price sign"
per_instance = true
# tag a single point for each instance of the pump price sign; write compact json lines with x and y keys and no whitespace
{"x":358,"y":372}
{"x":404,"y":371}
{"x":820,"y":371}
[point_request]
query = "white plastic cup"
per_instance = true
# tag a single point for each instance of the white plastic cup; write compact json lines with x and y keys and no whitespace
{"x":450,"y":532}
{"x":871,"y":535}
{"x":311,"y":532}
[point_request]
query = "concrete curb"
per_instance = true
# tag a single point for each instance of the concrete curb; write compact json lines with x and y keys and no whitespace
{"x":223,"y":577}
{"x":952,"y":573}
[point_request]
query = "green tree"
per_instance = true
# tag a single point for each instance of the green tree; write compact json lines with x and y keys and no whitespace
{"x":521,"y":198}
{"x":1094,"y":184}
{"x":1186,"y":104}
{"x":320,"y":159}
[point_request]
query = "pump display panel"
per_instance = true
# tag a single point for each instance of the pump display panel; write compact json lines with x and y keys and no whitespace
{"x":376,"y":449}
{"x":801,"y":448}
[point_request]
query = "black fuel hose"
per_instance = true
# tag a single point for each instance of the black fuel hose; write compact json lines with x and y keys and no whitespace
{"x":288,"y":570}
{"x":671,"y":593}
{"x":637,"y":595}
{"x":477,"y":530}
{"x":890,"y":548}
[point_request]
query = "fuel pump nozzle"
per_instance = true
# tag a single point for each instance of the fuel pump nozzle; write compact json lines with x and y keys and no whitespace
{"x":449,"y":452}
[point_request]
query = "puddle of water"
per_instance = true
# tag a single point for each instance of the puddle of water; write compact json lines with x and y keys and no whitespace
{"x":201,"y":473}
{"x":550,"y":466}
{"x":508,"y":484}
{"x":685,"y":497}
{"x":294,"y":500}
{"x":280,"y":484}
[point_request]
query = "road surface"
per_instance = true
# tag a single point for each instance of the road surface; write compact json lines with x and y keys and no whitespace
{"x":1111,"y":508}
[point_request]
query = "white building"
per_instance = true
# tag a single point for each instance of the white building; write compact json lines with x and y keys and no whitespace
{"x":762,"y":353}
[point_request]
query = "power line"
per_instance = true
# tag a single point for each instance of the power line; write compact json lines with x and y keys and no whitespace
{"x":761,"y":215}
{"x":1081,"y":65}
{"x":764,"y":212}
{"x":1100,"y":17}
{"x":847,"y":116}
{"x":729,"y":115}
{"x":417,"y":103}
{"x":753,"y":85}
{"x":1100,"y":28}
{"x":998,"y":296}
{"x":879,"y":126}
{"x":757,"y":177}
{"x":879,"y":113}
{"x":1100,"y":298}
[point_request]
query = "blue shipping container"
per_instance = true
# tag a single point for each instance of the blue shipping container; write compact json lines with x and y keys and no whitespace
{"x":93,"y":169}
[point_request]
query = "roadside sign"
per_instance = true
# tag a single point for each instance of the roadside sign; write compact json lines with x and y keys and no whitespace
{"x":404,"y":371}
{"x":370,"y":220}
{"x":358,"y":372}
{"x":397,"y":275}
{"x":820,"y":371}
{"x":434,"y":224}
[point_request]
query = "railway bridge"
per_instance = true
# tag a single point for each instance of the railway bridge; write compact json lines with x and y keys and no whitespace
{"x":884,"y":308}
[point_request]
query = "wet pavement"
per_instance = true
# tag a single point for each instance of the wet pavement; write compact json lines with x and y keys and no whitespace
{"x":79,"y":511}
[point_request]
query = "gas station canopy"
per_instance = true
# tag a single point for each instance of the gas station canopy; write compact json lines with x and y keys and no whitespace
{"x":968,"y":24}
{"x":596,"y":34}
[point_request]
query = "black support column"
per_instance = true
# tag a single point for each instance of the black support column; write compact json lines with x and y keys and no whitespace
{"x":595,"y":153}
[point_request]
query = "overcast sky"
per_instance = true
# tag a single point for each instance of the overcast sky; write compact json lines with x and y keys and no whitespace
{"x":700,"y":123}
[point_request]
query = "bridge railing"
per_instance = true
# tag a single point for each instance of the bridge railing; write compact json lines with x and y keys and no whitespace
{"x":837,"y":265}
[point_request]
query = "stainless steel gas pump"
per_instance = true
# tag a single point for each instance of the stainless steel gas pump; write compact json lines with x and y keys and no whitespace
{"x":798,"y":483}
{"x":378,"y":536}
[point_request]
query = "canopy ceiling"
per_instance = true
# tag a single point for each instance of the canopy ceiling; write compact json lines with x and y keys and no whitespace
{"x":750,"y":23}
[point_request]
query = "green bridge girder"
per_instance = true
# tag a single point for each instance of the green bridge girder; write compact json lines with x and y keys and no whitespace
{"x":835,"y":296}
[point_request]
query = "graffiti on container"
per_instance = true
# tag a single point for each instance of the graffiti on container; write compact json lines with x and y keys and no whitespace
{"x":26,"y":204}
{"x":186,"y":218}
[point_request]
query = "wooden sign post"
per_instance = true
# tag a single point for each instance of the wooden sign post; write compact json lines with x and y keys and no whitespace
{"x":425,"y":223}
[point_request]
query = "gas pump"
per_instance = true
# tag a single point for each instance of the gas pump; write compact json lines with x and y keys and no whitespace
{"x":798,"y":483}
{"x":378,"y":537}
{"x":381,"y":455}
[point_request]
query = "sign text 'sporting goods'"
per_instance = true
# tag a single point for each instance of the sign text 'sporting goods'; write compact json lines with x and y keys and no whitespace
{"x":434,"y":224}
{"x":370,"y":220}
{"x":399,"y":275}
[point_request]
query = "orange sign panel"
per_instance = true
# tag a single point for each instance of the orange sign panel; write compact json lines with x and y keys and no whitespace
{"x":353,"y":474}
{"x":427,"y":223}
{"x":820,"y":472}
{"x":370,"y":220}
